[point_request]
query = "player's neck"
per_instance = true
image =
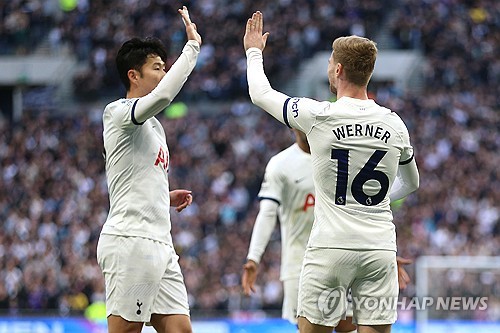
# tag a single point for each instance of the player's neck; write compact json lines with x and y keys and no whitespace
{"x":352,"y":91}
{"x":135,"y":93}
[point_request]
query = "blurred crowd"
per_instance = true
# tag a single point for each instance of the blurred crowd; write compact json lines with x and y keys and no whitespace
{"x":53,"y":194}
{"x":94,"y":30}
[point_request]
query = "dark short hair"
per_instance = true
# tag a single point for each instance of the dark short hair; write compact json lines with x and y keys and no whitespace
{"x":134,"y":53}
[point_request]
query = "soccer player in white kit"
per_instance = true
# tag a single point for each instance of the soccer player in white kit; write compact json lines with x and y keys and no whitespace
{"x":144,"y":283}
{"x":359,"y":152}
{"x":287,"y":192}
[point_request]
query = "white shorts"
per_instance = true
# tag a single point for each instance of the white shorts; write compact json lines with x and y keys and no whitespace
{"x":142,"y":276}
{"x":327,"y":275}
{"x":290,"y":300}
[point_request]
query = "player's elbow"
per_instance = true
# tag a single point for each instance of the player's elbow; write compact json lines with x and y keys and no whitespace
{"x":162,"y":101}
{"x":257,"y":97}
{"x":414,"y":184}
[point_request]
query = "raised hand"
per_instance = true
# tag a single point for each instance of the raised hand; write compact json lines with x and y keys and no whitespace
{"x":253,"y":32}
{"x":191,"y":31}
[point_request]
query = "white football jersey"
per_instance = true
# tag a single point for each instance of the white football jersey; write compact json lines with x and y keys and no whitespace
{"x":137,"y":160}
{"x":288,"y":181}
{"x":356,"y":146}
{"x":137,"y":156}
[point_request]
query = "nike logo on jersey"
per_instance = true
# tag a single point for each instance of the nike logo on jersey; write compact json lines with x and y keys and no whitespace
{"x":298,"y":180}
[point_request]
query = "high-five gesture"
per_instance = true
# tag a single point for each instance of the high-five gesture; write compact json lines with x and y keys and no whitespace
{"x":191,"y":32}
{"x":253,"y":33}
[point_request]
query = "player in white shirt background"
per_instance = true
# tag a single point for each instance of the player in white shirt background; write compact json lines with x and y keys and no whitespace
{"x":361,"y":159}
{"x":287,"y":194}
{"x":143,"y":279}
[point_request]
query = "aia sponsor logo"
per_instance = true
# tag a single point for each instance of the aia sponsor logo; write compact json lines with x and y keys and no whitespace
{"x":162,"y":158}
{"x":309,"y":202}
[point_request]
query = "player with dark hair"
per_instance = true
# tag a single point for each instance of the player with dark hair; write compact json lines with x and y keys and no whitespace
{"x":143,"y":279}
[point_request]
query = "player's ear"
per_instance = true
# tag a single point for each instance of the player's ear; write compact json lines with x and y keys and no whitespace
{"x":339,"y":69}
{"x":133,"y":75}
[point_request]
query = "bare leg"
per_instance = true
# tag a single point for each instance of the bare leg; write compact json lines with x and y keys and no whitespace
{"x":345,"y":326}
{"x":305,"y":326}
{"x":374,"y":328}
{"x":171,"y":323}
{"x":117,"y":324}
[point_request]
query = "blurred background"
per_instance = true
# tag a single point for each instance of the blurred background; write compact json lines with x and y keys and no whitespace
{"x":438,"y":68}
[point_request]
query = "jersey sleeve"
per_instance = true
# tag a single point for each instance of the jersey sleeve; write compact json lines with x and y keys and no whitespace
{"x":120,"y":113}
{"x":272,"y":185}
{"x":259,"y":88}
{"x":262,"y":229}
{"x":407,"y":153}
{"x":135,"y":111}
{"x":302,"y":113}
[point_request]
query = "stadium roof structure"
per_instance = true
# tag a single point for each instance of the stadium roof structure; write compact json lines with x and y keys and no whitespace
{"x":401,"y":67}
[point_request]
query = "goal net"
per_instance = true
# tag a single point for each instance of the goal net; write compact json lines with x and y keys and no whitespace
{"x":457,"y":290}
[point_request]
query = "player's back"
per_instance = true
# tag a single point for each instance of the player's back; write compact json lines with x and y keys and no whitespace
{"x":356,"y":146}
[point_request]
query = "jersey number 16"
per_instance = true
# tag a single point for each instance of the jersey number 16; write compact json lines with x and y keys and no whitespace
{"x":367,"y":173}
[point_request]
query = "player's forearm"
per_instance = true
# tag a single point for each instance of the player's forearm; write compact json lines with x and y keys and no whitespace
{"x":170,"y":85}
{"x":406,"y":182}
{"x":260,"y":90}
{"x":262,"y":230}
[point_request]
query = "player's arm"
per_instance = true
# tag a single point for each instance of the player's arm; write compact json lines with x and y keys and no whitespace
{"x":260,"y":90}
{"x":170,"y":85}
{"x":407,"y":180}
{"x":261,"y":234}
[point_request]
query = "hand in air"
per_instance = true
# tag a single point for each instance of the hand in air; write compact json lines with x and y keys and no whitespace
{"x":191,"y":31}
{"x":253,"y":33}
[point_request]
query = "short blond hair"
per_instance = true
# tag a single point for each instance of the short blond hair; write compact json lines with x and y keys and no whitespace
{"x":357,"y":55}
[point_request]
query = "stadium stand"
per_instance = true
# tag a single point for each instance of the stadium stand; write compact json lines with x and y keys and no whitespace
{"x":53,"y":195}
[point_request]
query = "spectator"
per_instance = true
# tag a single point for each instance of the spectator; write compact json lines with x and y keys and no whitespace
{"x":53,"y":196}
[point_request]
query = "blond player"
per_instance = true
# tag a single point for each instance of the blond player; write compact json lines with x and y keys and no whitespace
{"x":361,"y":159}
{"x":143,"y":279}
{"x":287,"y":195}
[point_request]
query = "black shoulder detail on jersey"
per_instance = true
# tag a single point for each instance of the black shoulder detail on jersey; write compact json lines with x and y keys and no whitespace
{"x":133,"y":115}
{"x":407,"y":161}
{"x":268,"y":198}
{"x":285,"y":116}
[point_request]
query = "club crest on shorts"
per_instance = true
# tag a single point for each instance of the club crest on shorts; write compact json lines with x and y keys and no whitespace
{"x":138,"y":307}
